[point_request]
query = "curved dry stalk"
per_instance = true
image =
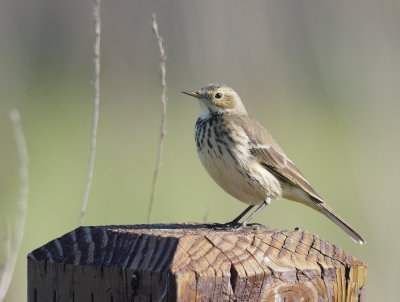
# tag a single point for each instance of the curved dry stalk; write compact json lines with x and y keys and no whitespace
{"x":96,"y":52}
{"x":12,"y":243}
{"x":163,"y":132}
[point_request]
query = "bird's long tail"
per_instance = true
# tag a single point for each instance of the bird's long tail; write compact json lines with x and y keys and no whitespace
{"x":323,"y":208}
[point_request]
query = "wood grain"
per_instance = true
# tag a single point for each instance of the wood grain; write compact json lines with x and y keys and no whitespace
{"x":192,"y":262}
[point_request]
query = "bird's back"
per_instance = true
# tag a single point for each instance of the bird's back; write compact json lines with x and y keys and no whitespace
{"x":269,"y":154}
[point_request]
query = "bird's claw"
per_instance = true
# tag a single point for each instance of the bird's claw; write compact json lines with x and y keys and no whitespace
{"x":229,"y":225}
{"x":234,"y":225}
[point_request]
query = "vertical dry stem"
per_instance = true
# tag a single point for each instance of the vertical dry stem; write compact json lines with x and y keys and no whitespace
{"x":163,"y":131}
{"x":96,"y":52}
{"x":12,"y":243}
{"x":207,"y":215}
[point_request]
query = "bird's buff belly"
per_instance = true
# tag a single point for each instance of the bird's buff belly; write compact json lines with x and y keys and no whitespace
{"x":233,"y":175}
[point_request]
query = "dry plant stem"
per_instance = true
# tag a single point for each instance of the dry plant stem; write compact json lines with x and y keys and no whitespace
{"x":163,"y":131}
{"x":207,"y":214}
{"x":96,"y":52}
{"x":12,"y":243}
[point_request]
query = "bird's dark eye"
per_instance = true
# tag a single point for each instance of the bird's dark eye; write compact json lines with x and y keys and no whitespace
{"x":218,"y":95}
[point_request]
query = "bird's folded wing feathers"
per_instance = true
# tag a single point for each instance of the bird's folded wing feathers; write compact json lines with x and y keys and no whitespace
{"x":270,"y":155}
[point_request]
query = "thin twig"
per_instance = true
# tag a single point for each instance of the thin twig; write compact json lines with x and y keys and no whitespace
{"x":207,"y":215}
{"x":13,"y":244}
{"x":96,"y":59}
{"x":6,"y":271}
{"x":163,"y":132}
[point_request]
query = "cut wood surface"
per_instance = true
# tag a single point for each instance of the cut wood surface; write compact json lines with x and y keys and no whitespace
{"x":192,"y":262}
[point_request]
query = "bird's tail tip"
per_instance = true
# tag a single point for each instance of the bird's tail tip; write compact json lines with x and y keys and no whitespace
{"x":341,"y":223}
{"x":361,"y":241}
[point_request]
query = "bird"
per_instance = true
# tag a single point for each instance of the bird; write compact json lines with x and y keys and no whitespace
{"x":243,"y":158}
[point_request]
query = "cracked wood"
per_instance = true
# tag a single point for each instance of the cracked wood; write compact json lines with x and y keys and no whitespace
{"x":192,"y":262}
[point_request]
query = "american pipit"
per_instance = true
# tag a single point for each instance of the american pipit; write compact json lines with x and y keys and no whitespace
{"x":243,"y":158}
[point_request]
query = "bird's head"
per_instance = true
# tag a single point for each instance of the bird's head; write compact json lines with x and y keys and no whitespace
{"x":217,"y":98}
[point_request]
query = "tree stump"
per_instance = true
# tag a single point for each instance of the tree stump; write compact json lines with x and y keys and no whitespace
{"x":192,"y":262}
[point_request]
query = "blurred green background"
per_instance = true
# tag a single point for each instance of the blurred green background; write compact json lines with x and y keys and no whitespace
{"x":322,"y":76}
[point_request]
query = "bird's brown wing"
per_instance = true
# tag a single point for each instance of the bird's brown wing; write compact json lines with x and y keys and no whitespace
{"x":270,"y":155}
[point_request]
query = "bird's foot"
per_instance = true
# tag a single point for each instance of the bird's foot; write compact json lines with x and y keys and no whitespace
{"x":229,"y":225}
{"x":234,"y":225}
{"x":255,"y":225}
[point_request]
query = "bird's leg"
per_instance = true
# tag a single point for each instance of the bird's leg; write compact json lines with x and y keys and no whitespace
{"x":266,"y":202}
{"x":235,"y":222}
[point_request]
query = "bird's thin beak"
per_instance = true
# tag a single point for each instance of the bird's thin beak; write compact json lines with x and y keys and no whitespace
{"x":191,"y":93}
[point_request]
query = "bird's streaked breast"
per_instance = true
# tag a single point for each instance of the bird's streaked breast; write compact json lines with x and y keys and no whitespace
{"x":225,"y":155}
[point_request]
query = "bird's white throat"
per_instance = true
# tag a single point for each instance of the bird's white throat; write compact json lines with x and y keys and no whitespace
{"x":205,"y":112}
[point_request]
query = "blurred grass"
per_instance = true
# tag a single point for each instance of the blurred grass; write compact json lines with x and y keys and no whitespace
{"x":323,"y":78}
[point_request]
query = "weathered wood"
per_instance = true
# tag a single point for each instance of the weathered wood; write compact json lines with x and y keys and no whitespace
{"x":192,"y":262}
